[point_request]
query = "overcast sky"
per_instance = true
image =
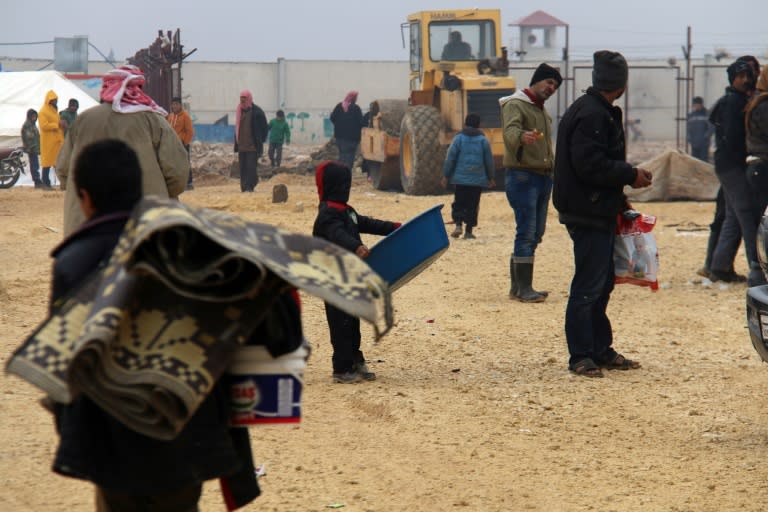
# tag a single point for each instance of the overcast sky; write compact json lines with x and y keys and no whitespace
{"x":263,"y":31}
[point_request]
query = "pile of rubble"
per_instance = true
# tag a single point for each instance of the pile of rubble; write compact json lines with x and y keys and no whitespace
{"x":214,"y":163}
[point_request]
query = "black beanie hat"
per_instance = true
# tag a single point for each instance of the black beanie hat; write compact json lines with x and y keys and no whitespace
{"x":545,"y":71}
{"x":609,"y":71}
{"x":739,"y":66}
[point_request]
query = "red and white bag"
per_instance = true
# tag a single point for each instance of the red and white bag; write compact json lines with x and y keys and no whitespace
{"x":635,"y":255}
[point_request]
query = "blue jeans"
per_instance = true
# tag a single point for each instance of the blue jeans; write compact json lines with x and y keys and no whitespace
{"x":528,"y":194}
{"x":587,"y":327}
{"x":347,"y":151}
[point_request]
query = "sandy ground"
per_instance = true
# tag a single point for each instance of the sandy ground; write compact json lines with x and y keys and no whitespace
{"x":474,"y":408}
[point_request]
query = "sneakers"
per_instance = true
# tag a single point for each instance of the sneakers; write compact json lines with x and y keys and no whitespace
{"x":468,"y":235}
{"x":457,"y":231}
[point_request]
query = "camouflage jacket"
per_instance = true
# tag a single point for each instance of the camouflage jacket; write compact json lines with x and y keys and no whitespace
{"x":30,"y":138}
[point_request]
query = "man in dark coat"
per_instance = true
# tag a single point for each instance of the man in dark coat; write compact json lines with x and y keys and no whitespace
{"x":699,"y":130}
{"x":347,"y":119}
{"x":741,"y":215}
{"x":590,"y":174}
{"x":250,"y":134}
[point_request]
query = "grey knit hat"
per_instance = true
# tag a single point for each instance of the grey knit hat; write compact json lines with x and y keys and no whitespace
{"x":609,"y":71}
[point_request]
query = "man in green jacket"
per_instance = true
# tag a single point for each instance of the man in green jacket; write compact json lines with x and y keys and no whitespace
{"x":529,"y":161}
{"x":279,"y":133}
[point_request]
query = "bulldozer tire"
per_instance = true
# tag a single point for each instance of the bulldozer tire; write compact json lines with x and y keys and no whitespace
{"x":421,"y":154}
{"x":385,"y":175}
{"x":392,"y":112}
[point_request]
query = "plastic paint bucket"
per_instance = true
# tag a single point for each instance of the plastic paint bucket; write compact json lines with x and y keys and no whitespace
{"x":265,"y":389}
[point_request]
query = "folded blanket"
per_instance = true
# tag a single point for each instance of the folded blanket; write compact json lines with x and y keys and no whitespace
{"x":148,"y":335}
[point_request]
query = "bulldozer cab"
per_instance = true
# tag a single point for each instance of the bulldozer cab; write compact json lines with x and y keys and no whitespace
{"x":456,"y":66}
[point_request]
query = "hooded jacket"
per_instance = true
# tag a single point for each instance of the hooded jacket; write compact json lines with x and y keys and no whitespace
{"x":51,"y":134}
{"x":730,"y":133}
{"x":336,"y":221}
{"x":469,"y":160}
{"x":590,"y":164}
{"x":519,"y":114}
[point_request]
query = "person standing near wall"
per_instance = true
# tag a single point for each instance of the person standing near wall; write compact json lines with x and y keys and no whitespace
{"x":182,"y":125}
{"x":279,"y":134}
{"x":529,"y":161}
{"x":347,"y":119}
{"x":51,"y":135}
{"x":250,"y":134}
{"x":591,"y":171}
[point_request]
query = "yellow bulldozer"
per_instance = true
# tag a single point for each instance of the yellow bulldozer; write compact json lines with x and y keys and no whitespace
{"x":457,"y":66}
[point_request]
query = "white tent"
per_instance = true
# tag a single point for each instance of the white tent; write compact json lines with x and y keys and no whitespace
{"x":22,"y":90}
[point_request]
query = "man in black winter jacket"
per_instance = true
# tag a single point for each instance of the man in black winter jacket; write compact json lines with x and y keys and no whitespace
{"x":741,"y":214}
{"x":590,"y":174}
{"x":339,"y":223}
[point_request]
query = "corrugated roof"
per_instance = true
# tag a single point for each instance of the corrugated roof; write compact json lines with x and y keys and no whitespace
{"x":539,"y":19}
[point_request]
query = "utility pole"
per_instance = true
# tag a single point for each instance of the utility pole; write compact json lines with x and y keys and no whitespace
{"x":688,"y":82}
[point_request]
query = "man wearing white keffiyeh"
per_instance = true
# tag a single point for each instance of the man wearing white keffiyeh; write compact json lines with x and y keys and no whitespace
{"x":128,"y":114}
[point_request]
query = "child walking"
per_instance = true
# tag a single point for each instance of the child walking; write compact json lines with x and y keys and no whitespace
{"x":339,"y":223}
{"x":469,"y":167}
{"x":279,"y":133}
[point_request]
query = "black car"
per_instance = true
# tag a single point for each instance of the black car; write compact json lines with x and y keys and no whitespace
{"x":757,"y":298}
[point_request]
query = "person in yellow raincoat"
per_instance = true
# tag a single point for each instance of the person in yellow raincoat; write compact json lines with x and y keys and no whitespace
{"x":51,"y":135}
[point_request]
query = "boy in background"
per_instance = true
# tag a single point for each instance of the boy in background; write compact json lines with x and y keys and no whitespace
{"x":30,"y":140}
{"x":279,"y":134}
{"x":469,"y":167}
{"x":339,"y":223}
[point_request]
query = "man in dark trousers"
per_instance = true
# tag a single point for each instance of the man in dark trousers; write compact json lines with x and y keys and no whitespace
{"x":347,"y":119}
{"x":590,"y":174}
{"x":699,"y":130}
{"x":250,"y":134}
{"x":741,"y":215}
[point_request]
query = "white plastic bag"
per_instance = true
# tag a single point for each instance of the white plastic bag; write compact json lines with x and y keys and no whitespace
{"x":635,"y":255}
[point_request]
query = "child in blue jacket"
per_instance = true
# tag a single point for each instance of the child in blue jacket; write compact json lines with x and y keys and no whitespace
{"x":469,"y":167}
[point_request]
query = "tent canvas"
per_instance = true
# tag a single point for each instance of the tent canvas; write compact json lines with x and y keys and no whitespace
{"x":22,"y":90}
{"x":677,"y":176}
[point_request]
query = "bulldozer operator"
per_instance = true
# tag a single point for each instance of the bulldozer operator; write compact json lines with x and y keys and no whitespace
{"x":456,"y":48}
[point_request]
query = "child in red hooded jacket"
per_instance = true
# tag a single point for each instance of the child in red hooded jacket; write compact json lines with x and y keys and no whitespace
{"x":339,"y":223}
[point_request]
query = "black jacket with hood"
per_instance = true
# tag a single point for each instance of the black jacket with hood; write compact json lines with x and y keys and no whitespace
{"x":336,"y":221}
{"x":590,"y":163}
{"x":730,"y":133}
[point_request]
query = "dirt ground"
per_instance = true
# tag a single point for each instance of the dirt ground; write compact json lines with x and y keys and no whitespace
{"x":474,"y":408}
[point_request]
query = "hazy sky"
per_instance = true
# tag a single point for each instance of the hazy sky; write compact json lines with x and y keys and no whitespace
{"x":262,"y":31}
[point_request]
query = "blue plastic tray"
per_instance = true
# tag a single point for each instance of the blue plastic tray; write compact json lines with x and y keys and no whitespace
{"x":411,"y":248}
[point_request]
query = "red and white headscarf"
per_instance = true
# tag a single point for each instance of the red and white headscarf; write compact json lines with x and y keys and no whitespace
{"x":123,"y":88}
{"x":240,"y":107}
{"x":348,"y":99}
